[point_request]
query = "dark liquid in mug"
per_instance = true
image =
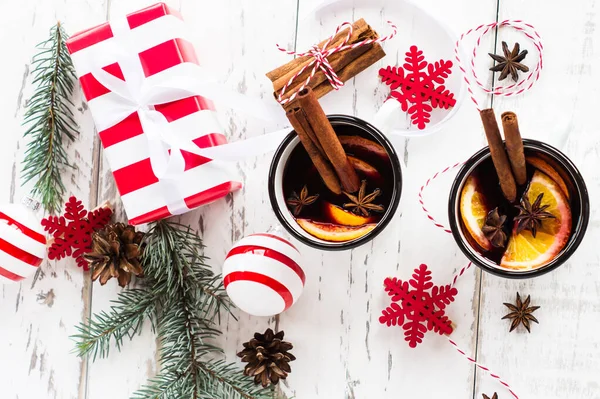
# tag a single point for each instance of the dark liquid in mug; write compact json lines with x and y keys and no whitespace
{"x":300,"y":171}
{"x":489,"y":185}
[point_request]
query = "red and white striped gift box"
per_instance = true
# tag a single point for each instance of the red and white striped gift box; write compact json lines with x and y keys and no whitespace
{"x":156,"y":36}
{"x":22,"y":243}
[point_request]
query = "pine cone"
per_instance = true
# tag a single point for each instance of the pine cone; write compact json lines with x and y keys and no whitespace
{"x":267,"y":357}
{"x":116,"y":252}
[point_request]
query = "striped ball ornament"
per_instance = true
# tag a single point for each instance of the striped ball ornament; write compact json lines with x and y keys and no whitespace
{"x":22,"y":243}
{"x":262,"y":274}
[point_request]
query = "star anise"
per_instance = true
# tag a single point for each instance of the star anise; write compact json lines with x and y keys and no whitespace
{"x":299,"y":202}
{"x":493,"y":397}
{"x":531,"y":216}
{"x":493,"y":228}
{"x":521,"y":313}
{"x":510,"y":63}
{"x":363,"y":204}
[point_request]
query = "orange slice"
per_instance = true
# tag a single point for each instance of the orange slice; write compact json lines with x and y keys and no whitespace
{"x":363,"y":168}
{"x":525,"y":252}
{"x":547,"y":169}
{"x":343,"y":217}
{"x":335,"y":233}
{"x":473,"y":212}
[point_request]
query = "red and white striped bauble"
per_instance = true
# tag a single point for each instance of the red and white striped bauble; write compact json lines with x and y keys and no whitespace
{"x":262,"y":274}
{"x":22,"y":243}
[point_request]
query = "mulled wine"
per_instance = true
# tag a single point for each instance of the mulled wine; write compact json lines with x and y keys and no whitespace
{"x":344,"y":216}
{"x":535,"y":229}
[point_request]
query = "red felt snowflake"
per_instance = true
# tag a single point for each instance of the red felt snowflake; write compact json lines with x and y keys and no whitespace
{"x":423,"y":310}
{"x":73,"y":232}
{"x":415,"y":83}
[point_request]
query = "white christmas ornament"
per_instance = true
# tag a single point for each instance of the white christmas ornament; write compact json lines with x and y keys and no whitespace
{"x":22,"y":241}
{"x":262,"y":274}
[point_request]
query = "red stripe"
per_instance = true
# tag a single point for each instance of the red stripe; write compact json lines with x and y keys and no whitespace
{"x":275,"y":285}
{"x":131,"y":126}
{"x":210,"y":140}
{"x":99,"y":33}
{"x":212,"y":194}
{"x":26,"y":230}
{"x":276,"y":238}
{"x":134,"y":176}
{"x":124,"y":130}
{"x":139,"y":175}
{"x":20,"y":254}
{"x":92,"y":88}
{"x":192,"y":201}
{"x":10,"y":275}
{"x":151,"y":13}
{"x":89,"y":37}
{"x":187,"y":106}
{"x":269,"y":253}
{"x":166,"y":55}
{"x":157,"y":214}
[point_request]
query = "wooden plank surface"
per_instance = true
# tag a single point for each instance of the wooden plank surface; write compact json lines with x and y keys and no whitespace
{"x":38,"y":316}
{"x":342,"y":350}
{"x":560,"y":358}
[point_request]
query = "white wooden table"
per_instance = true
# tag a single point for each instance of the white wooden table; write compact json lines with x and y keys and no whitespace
{"x":342,"y":350}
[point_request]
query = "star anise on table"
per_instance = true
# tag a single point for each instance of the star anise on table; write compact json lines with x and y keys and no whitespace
{"x":521,"y":313}
{"x":510,"y":63}
{"x":493,"y":397}
{"x":531,"y":216}
{"x":299,"y":202}
{"x":363,"y":204}
{"x":493,"y":228}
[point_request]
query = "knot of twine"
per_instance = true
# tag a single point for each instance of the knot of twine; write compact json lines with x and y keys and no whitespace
{"x":319,"y":59}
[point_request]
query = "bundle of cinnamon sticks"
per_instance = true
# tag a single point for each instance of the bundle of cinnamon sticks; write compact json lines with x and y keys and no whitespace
{"x":346,"y":64}
{"x":509,"y":161}
{"x":321,"y":143}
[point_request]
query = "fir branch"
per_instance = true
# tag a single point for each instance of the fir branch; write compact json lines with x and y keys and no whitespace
{"x":185,"y":298}
{"x":49,"y":119}
{"x":124,"y":319}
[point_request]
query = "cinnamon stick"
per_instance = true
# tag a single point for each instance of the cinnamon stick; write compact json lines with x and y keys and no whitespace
{"x":302,"y":127}
{"x":280,"y":75}
{"x":351,"y":70}
{"x":514,"y":146}
{"x":346,"y":64}
{"x":328,"y":139}
{"x":501,"y":163}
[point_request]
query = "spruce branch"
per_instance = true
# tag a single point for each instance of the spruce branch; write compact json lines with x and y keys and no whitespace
{"x":124,"y":319}
{"x":183,"y":297}
{"x":49,"y":119}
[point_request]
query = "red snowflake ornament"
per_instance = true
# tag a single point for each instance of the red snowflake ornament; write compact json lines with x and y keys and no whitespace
{"x":414,"y":84}
{"x":415,"y":308}
{"x":73,"y":232}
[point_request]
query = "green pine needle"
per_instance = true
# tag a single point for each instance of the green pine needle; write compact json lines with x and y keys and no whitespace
{"x":49,"y":120}
{"x":183,"y":299}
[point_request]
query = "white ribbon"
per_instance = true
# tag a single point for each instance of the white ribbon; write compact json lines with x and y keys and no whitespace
{"x":136,"y":94}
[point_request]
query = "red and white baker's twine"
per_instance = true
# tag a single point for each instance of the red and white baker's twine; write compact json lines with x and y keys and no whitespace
{"x":510,"y":90}
{"x":482,"y":367}
{"x":320,"y":61}
{"x":457,"y":276}
{"x":429,"y":216}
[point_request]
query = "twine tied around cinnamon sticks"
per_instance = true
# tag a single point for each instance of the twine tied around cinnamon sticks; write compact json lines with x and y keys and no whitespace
{"x":349,"y":51}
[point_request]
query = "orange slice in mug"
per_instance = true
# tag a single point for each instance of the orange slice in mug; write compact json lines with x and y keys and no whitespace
{"x":525,"y":252}
{"x":473,"y":212}
{"x":343,"y":217}
{"x":332,"y":232}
